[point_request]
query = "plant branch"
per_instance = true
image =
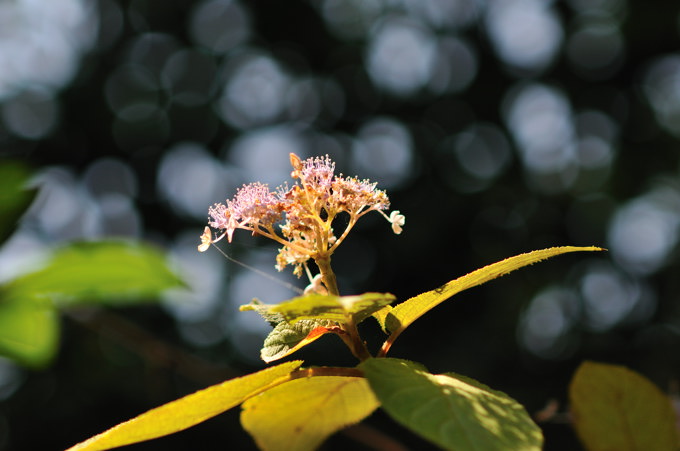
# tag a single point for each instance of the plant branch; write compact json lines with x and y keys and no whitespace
{"x":373,"y":438}
{"x":326,"y":371}
{"x":357,"y":345}
{"x":388,"y":343}
{"x":341,"y":238}
{"x":154,"y":351}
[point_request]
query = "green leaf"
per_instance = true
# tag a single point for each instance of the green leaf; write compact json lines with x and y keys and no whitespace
{"x":287,"y":338}
{"x":300,"y":321}
{"x":105,"y":272}
{"x":404,"y":314}
{"x":452,"y":411}
{"x":189,"y":410}
{"x":15,"y":198}
{"x":616,"y":408}
{"x":29,"y":330}
{"x":339,"y":309}
{"x":301,"y":414}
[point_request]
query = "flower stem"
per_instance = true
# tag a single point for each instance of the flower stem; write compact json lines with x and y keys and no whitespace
{"x":324,"y":264}
{"x":352,"y":339}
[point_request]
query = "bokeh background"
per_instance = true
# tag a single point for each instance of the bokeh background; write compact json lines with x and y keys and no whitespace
{"x":496,"y":126}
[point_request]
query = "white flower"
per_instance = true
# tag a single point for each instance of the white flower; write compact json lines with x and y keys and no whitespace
{"x":397,"y":221}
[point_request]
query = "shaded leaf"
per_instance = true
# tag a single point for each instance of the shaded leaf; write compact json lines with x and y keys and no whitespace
{"x":29,"y":330}
{"x":301,"y":414}
{"x":616,"y":408}
{"x":339,"y":309}
{"x":407,"y":312}
{"x":287,"y":338}
{"x":15,"y":197}
{"x":189,"y":410}
{"x":452,"y":411}
{"x":107,"y":272}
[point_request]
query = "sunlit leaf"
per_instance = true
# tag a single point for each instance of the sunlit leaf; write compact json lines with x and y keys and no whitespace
{"x":616,"y":408}
{"x":29,"y":330}
{"x":451,"y":411}
{"x":407,"y":312}
{"x":381,"y":316}
{"x":15,"y":197}
{"x":108,"y":272}
{"x":300,"y":414}
{"x":189,"y":410}
{"x":340,"y":309}
{"x":287,"y":338}
{"x":302,"y":320}
{"x":264,"y":310}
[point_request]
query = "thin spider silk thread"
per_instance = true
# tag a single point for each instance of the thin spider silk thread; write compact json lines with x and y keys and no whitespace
{"x":290,"y":286}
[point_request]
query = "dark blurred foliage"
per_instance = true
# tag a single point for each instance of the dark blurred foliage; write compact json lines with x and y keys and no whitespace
{"x":497,"y":127}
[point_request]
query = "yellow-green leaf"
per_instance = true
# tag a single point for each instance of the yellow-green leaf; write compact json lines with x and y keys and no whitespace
{"x":340,"y":309}
{"x":381,"y":316}
{"x":189,"y":410}
{"x":302,"y":320}
{"x":452,"y":411}
{"x":615,"y":408}
{"x":407,"y":312}
{"x":29,"y":330}
{"x":299,"y":415}
{"x":314,"y":306}
{"x":263,"y":309}
{"x":287,"y":338}
{"x":108,"y":272}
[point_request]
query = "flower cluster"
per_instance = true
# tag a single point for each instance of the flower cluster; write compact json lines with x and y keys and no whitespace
{"x":304,"y":212}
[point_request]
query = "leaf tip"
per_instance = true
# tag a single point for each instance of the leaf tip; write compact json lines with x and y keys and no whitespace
{"x":252,"y":305}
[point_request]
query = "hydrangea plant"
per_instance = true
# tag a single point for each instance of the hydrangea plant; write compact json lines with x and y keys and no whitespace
{"x":290,"y":407}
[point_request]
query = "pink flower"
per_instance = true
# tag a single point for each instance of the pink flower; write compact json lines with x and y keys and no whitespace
{"x":357,"y":196}
{"x":317,"y":174}
{"x":306,"y":212}
{"x":253,"y":208}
